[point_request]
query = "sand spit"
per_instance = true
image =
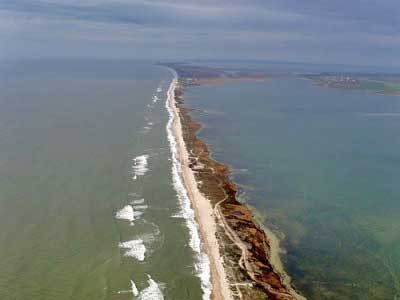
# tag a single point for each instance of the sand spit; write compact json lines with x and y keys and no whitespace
{"x":203,"y":210}
{"x":250,"y":253}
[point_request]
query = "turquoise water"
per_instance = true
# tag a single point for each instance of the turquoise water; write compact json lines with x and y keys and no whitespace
{"x":321,"y":166}
{"x":69,"y":131}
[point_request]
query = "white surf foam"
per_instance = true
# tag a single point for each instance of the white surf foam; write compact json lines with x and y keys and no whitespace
{"x":159,"y":90}
{"x":134,"y":289}
{"x":137,"y":214}
{"x":140,"y":207}
{"x":155,"y":99}
{"x":138,"y":201}
{"x":135,"y":248}
{"x":132,"y":212}
{"x":126,"y":213}
{"x":152,"y":292}
{"x":202,"y":265}
{"x":140,"y":166}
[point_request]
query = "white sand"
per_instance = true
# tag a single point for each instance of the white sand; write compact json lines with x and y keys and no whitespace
{"x":204,"y":215}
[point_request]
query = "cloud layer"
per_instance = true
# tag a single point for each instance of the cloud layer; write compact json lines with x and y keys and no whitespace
{"x":357,"y":31}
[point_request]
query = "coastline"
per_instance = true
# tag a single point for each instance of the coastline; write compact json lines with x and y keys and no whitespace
{"x":250,"y":264}
{"x":202,"y":208}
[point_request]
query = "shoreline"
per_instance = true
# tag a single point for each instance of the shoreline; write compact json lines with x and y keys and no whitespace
{"x":202,"y":208}
{"x":250,"y":265}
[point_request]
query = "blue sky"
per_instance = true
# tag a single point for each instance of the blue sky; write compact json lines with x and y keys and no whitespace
{"x":360,"y":32}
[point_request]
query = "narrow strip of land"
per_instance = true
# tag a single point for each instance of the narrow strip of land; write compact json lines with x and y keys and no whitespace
{"x":204,"y":214}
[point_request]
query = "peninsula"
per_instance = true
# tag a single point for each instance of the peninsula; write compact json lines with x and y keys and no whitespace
{"x":243,"y":255}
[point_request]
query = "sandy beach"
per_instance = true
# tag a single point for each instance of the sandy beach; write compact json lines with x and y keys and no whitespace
{"x":249,"y":266}
{"x":203,"y":210}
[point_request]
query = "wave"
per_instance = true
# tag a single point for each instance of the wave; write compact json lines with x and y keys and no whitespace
{"x":126,"y":213}
{"x":134,"y":289}
{"x":133,"y":194}
{"x":138,"y":201}
{"x":143,"y":245}
{"x":136,"y":249}
{"x":152,"y":292}
{"x":131,"y":212}
{"x":155,"y":99}
{"x":137,"y":214}
{"x":202,"y":264}
{"x":159,"y":90}
{"x":138,"y":210}
{"x":140,"y":207}
{"x":140,"y":166}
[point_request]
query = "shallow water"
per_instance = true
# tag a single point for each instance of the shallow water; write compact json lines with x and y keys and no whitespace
{"x":70,"y":132}
{"x":321,"y":166}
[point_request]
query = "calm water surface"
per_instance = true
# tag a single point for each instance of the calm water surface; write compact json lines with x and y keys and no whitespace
{"x":69,"y":132}
{"x":322,"y":167}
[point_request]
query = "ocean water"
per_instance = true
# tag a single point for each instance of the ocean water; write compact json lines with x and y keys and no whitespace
{"x":321,"y":167}
{"x":88,"y":208}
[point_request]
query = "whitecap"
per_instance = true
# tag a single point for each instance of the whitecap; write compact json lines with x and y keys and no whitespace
{"x":202,"y":265}
{"x":138,"y":201}
{"x":140,"y":166}
{"x":140,"y":207}
{"x":152,"y":292}
{"x":135,"y":248}
{"x":134,"y":289}
{"x":137,"y":214}
{"x":126,"y":213}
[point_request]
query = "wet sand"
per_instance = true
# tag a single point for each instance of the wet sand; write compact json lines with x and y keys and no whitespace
{"x":249,"y":267}
{"x":203,"y":210}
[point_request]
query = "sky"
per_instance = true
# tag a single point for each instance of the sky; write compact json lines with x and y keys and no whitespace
{"x":358,"y":32}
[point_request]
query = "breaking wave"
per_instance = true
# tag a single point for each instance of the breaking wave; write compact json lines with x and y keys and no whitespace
{"x":138,"y":201}
{"x":134,"y":289}
{"x":126,"y":213}
{"x":140,"y":166}
{"x":140,"y":207}
{"x":131,"y":212}
{"x":152,"y":292}
{"x":135,"y":248}
{"x":202,"y":264}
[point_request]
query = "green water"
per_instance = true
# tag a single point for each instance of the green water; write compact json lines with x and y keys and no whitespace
{"x":322,"y":167}
{"x":68,"y":133}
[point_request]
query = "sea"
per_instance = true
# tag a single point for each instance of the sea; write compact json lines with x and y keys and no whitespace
{"x":92,"y":206}
{"x":89,"y":205}
{"x":320,"y":167}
